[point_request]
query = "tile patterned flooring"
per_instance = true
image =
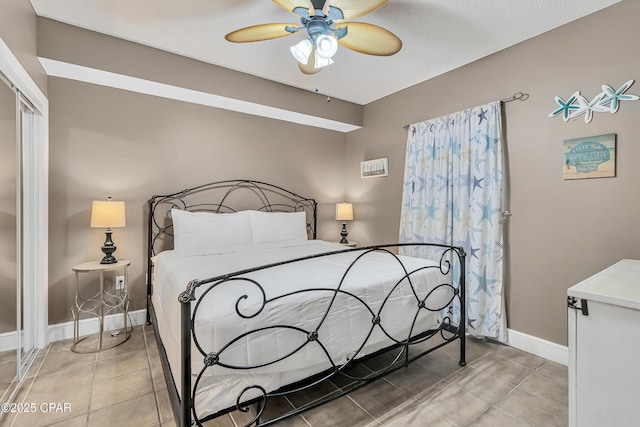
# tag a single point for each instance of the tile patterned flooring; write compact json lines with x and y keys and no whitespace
{"x":124,"y":386}
{"x":7,"y":373}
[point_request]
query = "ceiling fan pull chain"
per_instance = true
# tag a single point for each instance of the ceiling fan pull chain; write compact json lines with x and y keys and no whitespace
{"x":328,"y":84}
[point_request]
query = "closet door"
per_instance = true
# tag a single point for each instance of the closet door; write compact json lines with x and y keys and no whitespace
{"x":25,"y":318}
{"x":9,"y":242}
{"x":24,"y":146}
{"x":17,"y":326}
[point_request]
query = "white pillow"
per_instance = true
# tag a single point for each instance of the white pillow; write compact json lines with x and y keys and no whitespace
{"x":273,"y":227}
{"x":197,"y":233}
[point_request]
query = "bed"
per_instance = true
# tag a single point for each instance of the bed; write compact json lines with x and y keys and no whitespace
{"x":247,"y":305}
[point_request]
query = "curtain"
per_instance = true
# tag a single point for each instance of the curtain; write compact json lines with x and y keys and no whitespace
{"x":453,"y":194}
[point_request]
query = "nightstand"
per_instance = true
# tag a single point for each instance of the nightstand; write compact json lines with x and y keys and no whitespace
{"x":107,"y":301}
{"x":349,"y":244}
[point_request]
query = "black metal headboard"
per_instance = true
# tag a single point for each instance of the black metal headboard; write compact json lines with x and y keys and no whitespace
{"x":223,"y":197}
{"x":220,"y":197}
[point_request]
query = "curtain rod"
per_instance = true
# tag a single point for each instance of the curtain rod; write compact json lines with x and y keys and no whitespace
{"x":518,"y":96}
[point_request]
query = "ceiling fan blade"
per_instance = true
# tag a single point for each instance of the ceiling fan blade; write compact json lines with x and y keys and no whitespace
{"x":260,"y":32}
{"x":325,"y":8}
{"x":290,"y":5}
{"x":369,"y":39}
{"x":310,"y":66}
{"x":352,"y":9}
{"x":308,"y":69}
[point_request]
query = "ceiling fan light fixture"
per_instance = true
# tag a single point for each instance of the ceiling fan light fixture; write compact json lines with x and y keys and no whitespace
{"x":326,"y":46}
{"x":302,"y":50}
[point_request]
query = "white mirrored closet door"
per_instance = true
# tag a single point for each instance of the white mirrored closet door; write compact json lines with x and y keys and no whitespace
{"x":25,"y":318}
{"x":8,"y":241}
{"x":17,"y":349}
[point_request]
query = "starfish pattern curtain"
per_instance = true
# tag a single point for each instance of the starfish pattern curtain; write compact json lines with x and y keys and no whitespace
{"x":452,"y":194}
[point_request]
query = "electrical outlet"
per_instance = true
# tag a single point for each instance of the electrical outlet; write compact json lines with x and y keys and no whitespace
{"x":119,"y":283}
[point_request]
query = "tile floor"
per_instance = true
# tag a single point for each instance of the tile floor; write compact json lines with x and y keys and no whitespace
{"x":7,"y":373}
{"x":124,"y":386}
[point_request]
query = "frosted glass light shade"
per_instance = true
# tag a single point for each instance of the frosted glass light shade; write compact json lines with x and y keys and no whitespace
{"x":302,"y":50}
{"x":322,"y":62}
{"x":326,"y":46}
{"x":108,"y":214}
{"x":344,"y":211}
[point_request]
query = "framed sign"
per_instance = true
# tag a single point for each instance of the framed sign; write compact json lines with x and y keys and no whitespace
{"x":374,"y":168}
{"x":590,"y":157}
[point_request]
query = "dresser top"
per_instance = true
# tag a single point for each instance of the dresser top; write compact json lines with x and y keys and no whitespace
{"x":617,"y":285}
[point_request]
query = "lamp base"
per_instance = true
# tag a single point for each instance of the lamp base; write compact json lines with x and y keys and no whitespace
{"x":344,"y":234}
{"x":109,"y":259}
{"x":108,"y":249}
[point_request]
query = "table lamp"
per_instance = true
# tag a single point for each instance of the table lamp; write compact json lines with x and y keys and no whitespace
{"x":107,"y":214}
{"x":344,"y":212}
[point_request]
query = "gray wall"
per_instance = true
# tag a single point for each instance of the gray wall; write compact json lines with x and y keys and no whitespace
{"x":108,"y":142}
{"x":18,"y":29}
{"x":561,"y":231}
{"x":79,"y":46}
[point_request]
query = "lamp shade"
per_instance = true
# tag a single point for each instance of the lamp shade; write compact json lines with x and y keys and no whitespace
{"x":344,"y":211}
{"x":108,"y":214}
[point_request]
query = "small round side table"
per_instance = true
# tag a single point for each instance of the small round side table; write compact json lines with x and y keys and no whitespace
{"x":108,"y":300}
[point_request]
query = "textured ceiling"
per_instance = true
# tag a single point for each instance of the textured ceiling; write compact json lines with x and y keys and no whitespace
{"x":437,"y":35}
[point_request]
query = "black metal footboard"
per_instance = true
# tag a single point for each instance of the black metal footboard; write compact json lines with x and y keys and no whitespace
{"x":444,"y":302}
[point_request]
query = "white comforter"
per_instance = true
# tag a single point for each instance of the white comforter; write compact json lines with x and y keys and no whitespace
{"x":342,"y":333}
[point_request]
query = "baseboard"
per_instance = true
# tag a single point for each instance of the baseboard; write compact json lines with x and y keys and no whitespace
{"x":543,"y":348}
{"x":8,"y":341}
{"x":64,"y":331}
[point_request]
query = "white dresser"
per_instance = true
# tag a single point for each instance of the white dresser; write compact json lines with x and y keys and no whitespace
{"x":604,"y":348}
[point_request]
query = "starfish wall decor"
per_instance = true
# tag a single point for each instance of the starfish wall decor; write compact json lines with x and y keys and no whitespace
{"x":606,"y":101}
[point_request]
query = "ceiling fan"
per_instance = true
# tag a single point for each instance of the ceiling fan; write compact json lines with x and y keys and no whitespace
{"x":327,"y":25}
